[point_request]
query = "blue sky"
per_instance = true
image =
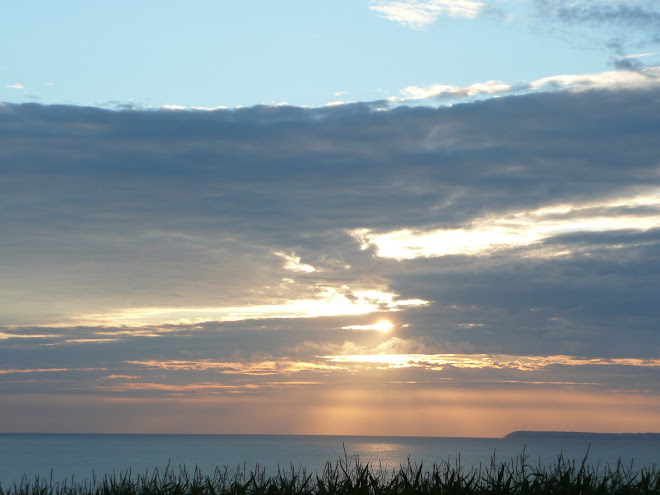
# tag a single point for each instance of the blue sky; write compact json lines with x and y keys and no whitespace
{"x":455,"y":215}
{"x":210,"y":54}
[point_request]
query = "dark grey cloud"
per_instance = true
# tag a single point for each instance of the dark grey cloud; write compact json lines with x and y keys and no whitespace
{"x":626,"y":63}
{"x":577,"y":304}
{"x":108,"y":211}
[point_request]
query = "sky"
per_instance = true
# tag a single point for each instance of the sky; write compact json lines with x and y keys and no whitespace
{"x":431,"y":217}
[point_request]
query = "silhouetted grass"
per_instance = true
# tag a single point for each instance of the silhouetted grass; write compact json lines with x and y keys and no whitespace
{"x":350,"y":477}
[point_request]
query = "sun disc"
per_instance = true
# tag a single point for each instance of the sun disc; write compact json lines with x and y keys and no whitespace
{"x":383,"y":326}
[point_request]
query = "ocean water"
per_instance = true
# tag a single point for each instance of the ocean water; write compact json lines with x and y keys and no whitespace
{"x":84,"y":456}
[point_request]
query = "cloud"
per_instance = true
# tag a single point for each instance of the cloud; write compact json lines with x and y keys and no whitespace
{"x":383,"y":326}
{"x":292,"y":262}
{"x":15,"y":86}
{"x":488,"y":235}
{"x":552,"y":370}
{"x":630,"y":74}
{"x":149,"y":236}
{"x":636,"y":13}
{"x":618,"y":24}
{"x":418,"y":14}
{"x":621,"y":25}
{"x":440,"y":91}
{"x":16,"y":335}
{"x":328,"y":301}
{"x":37,"y":370}
{"x":620,"y":79}
{"x":478,"y":361}
{"x":630,"y":62}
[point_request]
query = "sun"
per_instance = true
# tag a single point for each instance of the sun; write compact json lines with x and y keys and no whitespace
{"x":383,"y":326}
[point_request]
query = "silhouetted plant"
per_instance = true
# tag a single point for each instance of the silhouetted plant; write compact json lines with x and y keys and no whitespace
{"x":350,"y":477}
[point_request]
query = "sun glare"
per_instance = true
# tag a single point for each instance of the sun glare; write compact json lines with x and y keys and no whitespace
{"x":383,"y":326}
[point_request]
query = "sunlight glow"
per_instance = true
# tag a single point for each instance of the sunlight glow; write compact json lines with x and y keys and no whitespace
{"x":485,"y":235}
{"x":498,"y":361}
{"x":258,"y":368}
{"x":328,"y":301}
{"x":382,"y":326}
{"x":348,"y":362}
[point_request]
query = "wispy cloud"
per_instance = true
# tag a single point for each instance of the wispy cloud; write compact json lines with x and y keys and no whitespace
{"x":478,"y":361}
{"x":46,"y":370}
{"x":15,"y":86}
{"x":638,"y":13}
{"x":16,"y":335}
{"x":253,"y":368}
{"x":441,"y":91}
{"x":624,"y":24}
{"x":418,"y":14}
{"x":328,"y":301}
{"x":383,"y":326}
{"x":340,"y":363}
{"x":620,"y":79}
{"x":629,"y":76}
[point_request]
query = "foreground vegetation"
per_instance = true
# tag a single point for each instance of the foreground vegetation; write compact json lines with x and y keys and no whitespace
{"x":350,"y":477}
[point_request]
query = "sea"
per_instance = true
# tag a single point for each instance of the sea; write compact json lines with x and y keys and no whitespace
{"x":62,"y":457}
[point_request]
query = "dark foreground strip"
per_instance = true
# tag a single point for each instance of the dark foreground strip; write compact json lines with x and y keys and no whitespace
{"x":350,"y":477}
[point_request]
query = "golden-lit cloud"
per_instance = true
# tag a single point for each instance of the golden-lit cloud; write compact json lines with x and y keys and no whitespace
{"x":7,"y":335}
{"x":282,"y":367}
{"x":46,"y":370}
{"x":496,"y":361}
{"x":348,"y":362}
{"x":201,"y":388}
{"x":382,"y":326}
{"x":486,"y":235}
{"x":133,"y":332}
{"x":293,"y":263}
{"x":327,"y":301}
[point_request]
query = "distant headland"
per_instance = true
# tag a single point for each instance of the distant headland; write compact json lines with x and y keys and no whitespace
{"x":582,"y":435}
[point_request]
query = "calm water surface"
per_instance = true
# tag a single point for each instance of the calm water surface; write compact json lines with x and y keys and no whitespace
{"x":82,"y":456}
